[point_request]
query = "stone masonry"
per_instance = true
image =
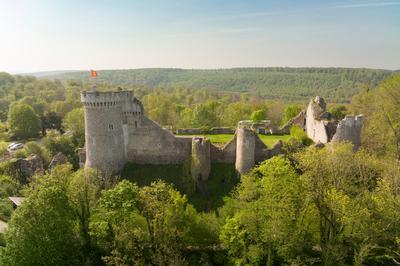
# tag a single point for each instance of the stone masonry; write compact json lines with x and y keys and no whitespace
{"x":117,"y":131}
{"x":321,"y":128}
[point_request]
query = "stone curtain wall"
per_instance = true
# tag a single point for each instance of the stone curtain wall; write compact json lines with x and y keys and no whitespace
{"x":151,"y":144}
{"x":117,"y":131}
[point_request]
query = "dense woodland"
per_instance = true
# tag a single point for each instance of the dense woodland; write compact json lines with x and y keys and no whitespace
{"x":288,"y":84}
{"x":308,"y":206}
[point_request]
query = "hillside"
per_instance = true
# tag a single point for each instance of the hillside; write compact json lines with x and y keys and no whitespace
{"x":335,"y":84}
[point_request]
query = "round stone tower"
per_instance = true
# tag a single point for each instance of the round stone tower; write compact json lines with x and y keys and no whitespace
{"x":245,"y":149}
{"x":104,"y":138}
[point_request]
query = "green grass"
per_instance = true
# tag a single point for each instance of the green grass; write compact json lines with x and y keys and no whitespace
{"x":269,"y":140}
{"x":221,"y":181}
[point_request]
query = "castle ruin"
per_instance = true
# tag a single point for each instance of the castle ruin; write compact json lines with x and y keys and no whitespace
{"x":117,"y":131}
{"x":322,"y":128}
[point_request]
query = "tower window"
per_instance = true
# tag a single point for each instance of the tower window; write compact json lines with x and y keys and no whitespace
{"x":135,"y":124}
{"x":110,"y":127}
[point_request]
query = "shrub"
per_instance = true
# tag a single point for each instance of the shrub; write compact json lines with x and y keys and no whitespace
{"x":39,"y":150}
{"x":6,"y":209}
{"x":298,"y":133}
{"x":55,"y":143}
{"x":258,"y":115}
{"x":3,"y":147}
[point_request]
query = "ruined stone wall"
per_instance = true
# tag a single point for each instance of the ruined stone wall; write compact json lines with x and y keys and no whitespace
{"x":149,"y":143}
{"x":117,"y":131}
{"x":200,"y":161}
{"x":349,"y":129}
{"x":103,"y":131}
{"x":299,"y":120}
{"x":225,"y":154}
{"x":315,"y":127}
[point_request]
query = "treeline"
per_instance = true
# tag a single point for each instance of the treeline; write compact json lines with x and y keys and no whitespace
{"x":289,"y":84}
{"x":51,"y":101}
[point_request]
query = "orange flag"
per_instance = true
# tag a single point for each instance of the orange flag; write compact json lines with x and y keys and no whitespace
{"x":93,"y":73}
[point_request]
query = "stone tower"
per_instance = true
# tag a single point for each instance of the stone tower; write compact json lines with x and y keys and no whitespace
{"x":104,"y":134}
{"x":201,"y":161}
{"x":245,"y":149}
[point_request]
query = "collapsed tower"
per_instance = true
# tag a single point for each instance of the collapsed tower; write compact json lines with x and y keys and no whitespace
{"x":321,"y":127}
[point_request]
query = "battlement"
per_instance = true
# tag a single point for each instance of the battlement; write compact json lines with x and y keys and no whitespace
{"x":101,"y":99}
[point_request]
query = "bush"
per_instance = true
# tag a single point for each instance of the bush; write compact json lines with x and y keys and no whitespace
{"x":36,"y":148}
{"x":258,"y":115}
{"x":298,"y":133}
{"x":6,"y":209}
{"x":19,"y":154}
{"x":56,"y":143}
{"x":3,"y":148}
{"x":10,"y":169}
{"x":23,"y":121}
{"x":8,"y":186}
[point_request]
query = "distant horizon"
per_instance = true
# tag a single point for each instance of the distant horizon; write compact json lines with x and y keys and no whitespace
{"x":46,"y":35}
{"x":180,"y":68}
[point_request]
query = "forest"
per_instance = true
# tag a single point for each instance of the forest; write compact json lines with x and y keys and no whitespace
{"x":289,"y":84}
{"x":307,"y":206}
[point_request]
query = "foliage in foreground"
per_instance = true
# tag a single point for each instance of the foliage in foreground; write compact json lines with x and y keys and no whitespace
{"x":331,"y":207}
{"x":77,"y":218}
{"x":321,"y":206}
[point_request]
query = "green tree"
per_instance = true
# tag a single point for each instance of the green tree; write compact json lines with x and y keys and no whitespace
{"x":56,"y":143}
{"x":297,"y":133}
{"x":74,"y":121}
{"x":41,"y":230}
{"x":290,"y":112}
{"x":235,"y":112}
{"x":381,"y":132}
{"x":258,"y":115}
{"x":23,"y":122}
{"x":206,"y":115}
{"x":338,"y":111}
{"x":270,"y":220}
{"x":336,"y":182}
{"x":151,"y":225}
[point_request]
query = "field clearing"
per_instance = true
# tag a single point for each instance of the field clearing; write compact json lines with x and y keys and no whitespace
{"x":221,"y":139}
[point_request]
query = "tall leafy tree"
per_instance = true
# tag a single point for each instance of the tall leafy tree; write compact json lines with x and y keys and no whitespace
{"x":258,"y":115}
{"x":290,"y":112}
{"x":270,"y":219}
{"x":74,"y":121}
{"x":152,"y":225}
{"x":41,"y":230}
{"x":23,"y":121}
{"x":381,"y":131}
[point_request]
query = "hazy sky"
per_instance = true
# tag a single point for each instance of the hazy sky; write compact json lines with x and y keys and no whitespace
{"x":40,"y":35}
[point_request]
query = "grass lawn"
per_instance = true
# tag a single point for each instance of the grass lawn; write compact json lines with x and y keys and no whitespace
{"x":269,"y":140}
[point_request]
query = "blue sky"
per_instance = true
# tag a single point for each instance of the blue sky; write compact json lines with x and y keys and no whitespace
{"x":43,"y":35}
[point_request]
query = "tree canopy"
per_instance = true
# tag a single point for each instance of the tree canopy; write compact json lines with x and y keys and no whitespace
{"x":23,"y":121}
